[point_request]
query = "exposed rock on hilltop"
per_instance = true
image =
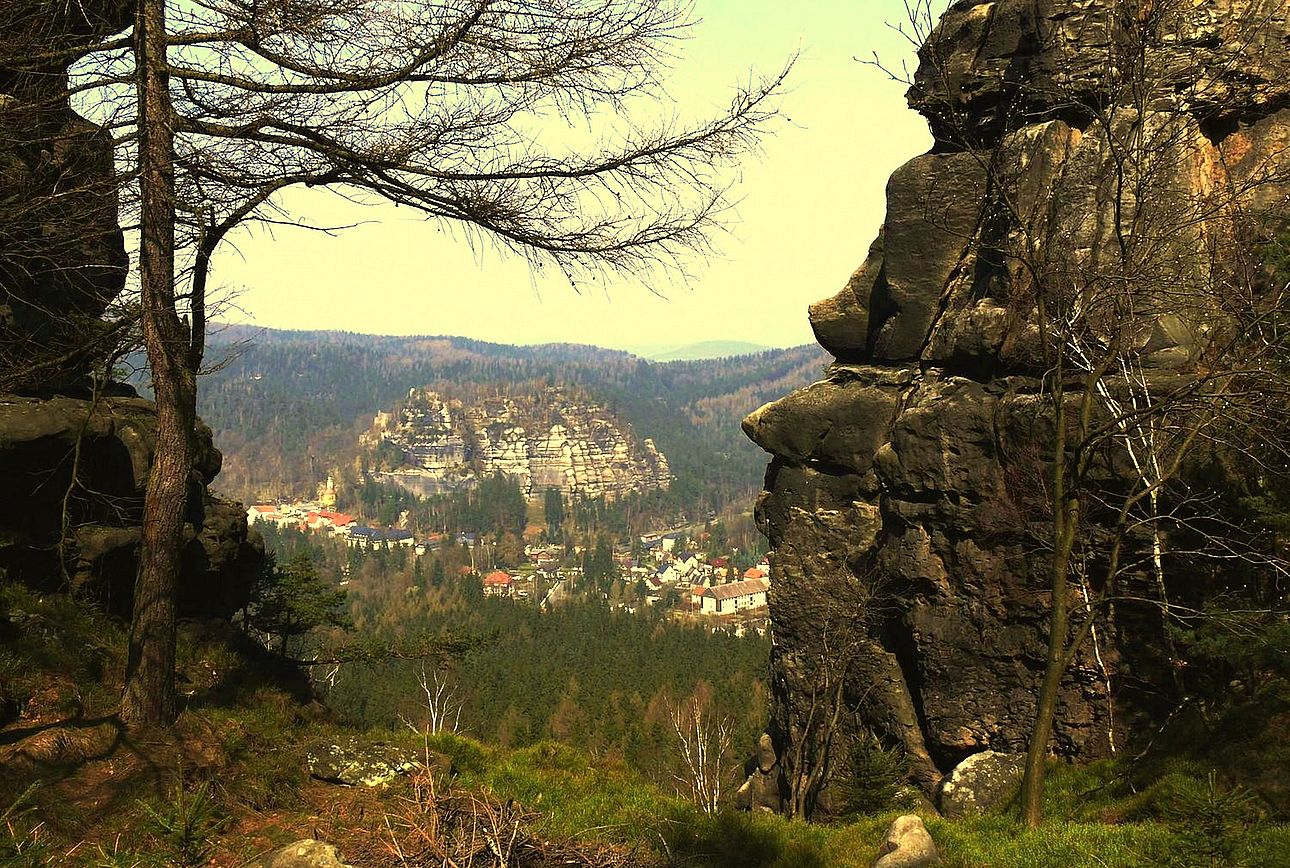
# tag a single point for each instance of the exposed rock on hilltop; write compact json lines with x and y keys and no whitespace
{"x":548,"y":439}
{"x":895,"y":481}
{"x":73,"y":468}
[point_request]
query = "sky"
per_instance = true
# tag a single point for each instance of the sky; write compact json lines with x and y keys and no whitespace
{"x":809,"y":205}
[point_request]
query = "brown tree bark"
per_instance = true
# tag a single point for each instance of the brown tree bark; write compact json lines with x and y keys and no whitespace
{"x":149,"y":697}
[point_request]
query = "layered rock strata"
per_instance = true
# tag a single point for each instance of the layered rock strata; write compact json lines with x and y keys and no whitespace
{"x":74,"y":459}
{"x":902,"y":502}
{"x":547,"y":440}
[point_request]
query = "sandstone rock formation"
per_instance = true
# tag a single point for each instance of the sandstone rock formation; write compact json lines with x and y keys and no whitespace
{"x":895,"y":486}
{"x":73,"y":466}
{"x":549,"y":439}
{"x":87,"y":535}
{"x":62,"y":257}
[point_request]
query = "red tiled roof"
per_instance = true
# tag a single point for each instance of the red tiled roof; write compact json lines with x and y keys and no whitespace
{"x":498,"y":578}
{"x":754,"y":573}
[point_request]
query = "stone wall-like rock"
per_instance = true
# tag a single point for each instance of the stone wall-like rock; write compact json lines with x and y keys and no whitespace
{"x":897,"y":495}
{"x":86,"y":536}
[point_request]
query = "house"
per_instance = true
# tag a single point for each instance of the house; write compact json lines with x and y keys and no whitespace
{"x":498,"y":583}
{"x":266,"y":512}
{"x":734,"y":597}
{"x":753,"y":573}
{"x":686,"y":563}
{"x":397,"y":537}
{"x":326,"y":518}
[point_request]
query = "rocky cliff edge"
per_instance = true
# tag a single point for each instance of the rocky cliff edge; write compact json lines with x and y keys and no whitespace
{"x":73,"y":465}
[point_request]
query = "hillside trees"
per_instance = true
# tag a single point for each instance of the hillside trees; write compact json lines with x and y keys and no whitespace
{"x":220,"y":105}
{"x":290,"y":601}
{"x":1129,"y":213}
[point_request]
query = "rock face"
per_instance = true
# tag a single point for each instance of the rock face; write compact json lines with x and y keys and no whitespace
{"x":110,"y":444}
{"x":547,"y":440}
{"x":62,"y":256}
{"x":73,"y":468}
{"x":900,"y":502}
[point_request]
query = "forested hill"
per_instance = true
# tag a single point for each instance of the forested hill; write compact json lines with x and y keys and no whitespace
{"x":287,"y":406}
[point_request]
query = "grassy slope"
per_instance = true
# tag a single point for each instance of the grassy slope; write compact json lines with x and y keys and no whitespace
{"x":242,"y":737}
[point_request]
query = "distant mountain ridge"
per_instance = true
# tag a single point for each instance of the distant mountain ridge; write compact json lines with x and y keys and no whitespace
{"x":287,"y":406}
{"x":716,"y":349}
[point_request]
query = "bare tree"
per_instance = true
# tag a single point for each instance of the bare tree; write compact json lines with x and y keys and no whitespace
{"x":445,"y":107}
{"x":704,"y":738}
{"x":442,"y":704}
{"x":1157,"y":338}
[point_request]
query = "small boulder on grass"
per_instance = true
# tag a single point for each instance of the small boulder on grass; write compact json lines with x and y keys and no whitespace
{"x":355,"y":763}
{"x":907,"y":845}
{"x":980,"y":783}
{"x":306,"y":853}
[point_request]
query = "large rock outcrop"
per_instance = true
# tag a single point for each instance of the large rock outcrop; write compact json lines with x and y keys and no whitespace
{"x":74,"y":460}
{"x":900,"y":497}
{"x":549,"y":438}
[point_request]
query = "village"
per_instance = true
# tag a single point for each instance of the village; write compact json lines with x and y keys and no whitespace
{"x":673,"y":570}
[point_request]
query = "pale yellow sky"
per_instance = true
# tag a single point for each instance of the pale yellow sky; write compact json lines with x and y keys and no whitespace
{"x":810,"y":205}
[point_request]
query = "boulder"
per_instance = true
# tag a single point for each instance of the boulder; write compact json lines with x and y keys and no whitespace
{"x":980,"y":783}
{"x":305,"y":853}
{"x":355,"y":763}
{"x":907,"y":845}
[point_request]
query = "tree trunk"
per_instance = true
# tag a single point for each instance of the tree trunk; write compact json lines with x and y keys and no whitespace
{"x":1032,"y":785}
{"x":1066,"y":515}
{"x":149,"y":696}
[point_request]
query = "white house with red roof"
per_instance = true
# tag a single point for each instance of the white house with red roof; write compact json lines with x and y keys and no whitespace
{"x":498,"y":583}
{"x":734,"y":597}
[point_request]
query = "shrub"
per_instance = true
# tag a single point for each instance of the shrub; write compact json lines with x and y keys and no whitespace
{"x":873,"y":779}
{"x":186,"y":824}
